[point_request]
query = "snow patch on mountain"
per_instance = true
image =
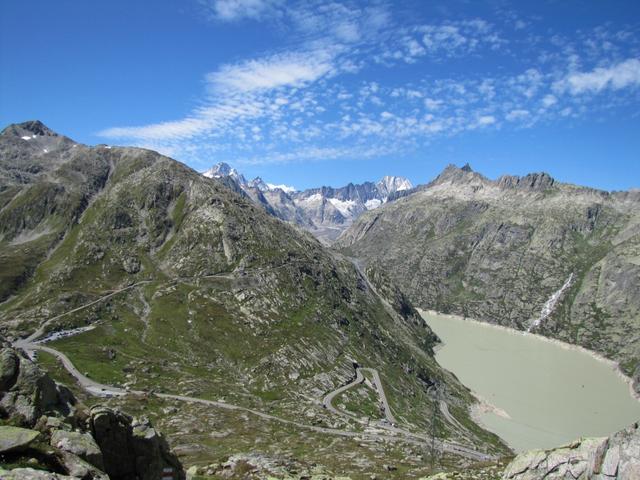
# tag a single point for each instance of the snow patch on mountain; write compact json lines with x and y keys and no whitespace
{"x":284,"y":188}
{"x":374,"y":203}
{"x":311,"y":199}
{"x":345,"y":207}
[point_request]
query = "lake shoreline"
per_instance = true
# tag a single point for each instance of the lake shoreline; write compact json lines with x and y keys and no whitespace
{"x":567,"y":346}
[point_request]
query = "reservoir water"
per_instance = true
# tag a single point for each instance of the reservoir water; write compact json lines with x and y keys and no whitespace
{"x":550,"y":394}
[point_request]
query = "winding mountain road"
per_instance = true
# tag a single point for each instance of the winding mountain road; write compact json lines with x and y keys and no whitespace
{"x":327,"y":401}
{"x":383,"y":398}
{"x":40,"y":331}
{"x":392,"y":432}
{"x":447,"y":446}
{"x":394,"y":435}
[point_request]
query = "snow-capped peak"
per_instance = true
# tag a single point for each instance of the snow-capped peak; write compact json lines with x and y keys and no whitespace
{"x":222,"y":169}
{"x":264,"y":186}
{"x":284,"y":188}
{"x":259,"y":184}
{"x":390,"y":184}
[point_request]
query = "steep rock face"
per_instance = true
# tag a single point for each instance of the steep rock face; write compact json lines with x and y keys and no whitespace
{"x":14,"y":439}
{"x":502,"y":251}
{"x":131,"y":449}
{"x":80,"y":444}
{"x":223,"y":170}
{"x":616,"y":457}
{"x":332,"y":210}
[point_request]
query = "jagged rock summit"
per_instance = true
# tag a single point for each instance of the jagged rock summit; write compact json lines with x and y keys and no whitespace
{"x":222,"y":170}
{"x":29,"y":129}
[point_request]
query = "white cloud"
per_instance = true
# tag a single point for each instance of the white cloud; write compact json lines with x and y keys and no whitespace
{"x":319,"y":100}
{"x":486,"y":120}
{"x":528,"y":83}
{"x":621,"y":75}
{"x":347,"y":31}
{"x":344,"y":22}
{"x":165,"y":130}
{"x":201,"y":121}
{"x":432,"y":104}
{"x":445,"y":37}
{"x":461,"y":37}
{"x":415,"y":49}
{"x":293,"y":69}
{"x":232,"y":10}
{"x":316,"y":153}
{"x":517,"y":114}
{"x":549,"y":100}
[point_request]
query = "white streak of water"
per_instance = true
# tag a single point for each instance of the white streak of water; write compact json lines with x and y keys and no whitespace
{"x":550,"y":305}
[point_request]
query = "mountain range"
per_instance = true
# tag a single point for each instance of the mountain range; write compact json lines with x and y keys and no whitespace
{"x":155,"y":279}
{"x":325,"y":211}
{"x":185,"y":297}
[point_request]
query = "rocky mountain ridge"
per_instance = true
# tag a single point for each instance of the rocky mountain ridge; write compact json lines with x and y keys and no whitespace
{"x":324,"y":211}
{"x":500,"y":250}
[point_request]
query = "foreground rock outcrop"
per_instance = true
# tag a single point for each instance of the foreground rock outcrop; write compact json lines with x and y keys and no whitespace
{"x":615,"y":457}
{"x":44,"y":427}
{"x":27,"y":392}
{"x":131,"y":448}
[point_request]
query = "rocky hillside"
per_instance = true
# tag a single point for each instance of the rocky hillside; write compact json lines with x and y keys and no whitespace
{"x":611,"y":457}
{"x":174,"y":282}
{"x":43,"y":428}
{"x":326,"y":212}
{"x":525,"y":252}
{"x":592,"y":458}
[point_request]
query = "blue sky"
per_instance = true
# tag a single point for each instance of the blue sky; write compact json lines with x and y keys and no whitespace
{"x":326,"y":92}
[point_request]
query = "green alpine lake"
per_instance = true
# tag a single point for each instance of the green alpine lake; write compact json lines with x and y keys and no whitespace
{"x":545,"y":393}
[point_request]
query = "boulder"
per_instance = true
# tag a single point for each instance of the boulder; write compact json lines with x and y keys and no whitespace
{"x":132,"y":449}
{"x":31,"y":474}
{"x":9,"y":366}
{"x":79,"y":444}
{"x":79,"y":468}
{"x":102,"y":444}
{"x":27,"y":391}
{"x":14,"y":439}
{"x":111,"y":430}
